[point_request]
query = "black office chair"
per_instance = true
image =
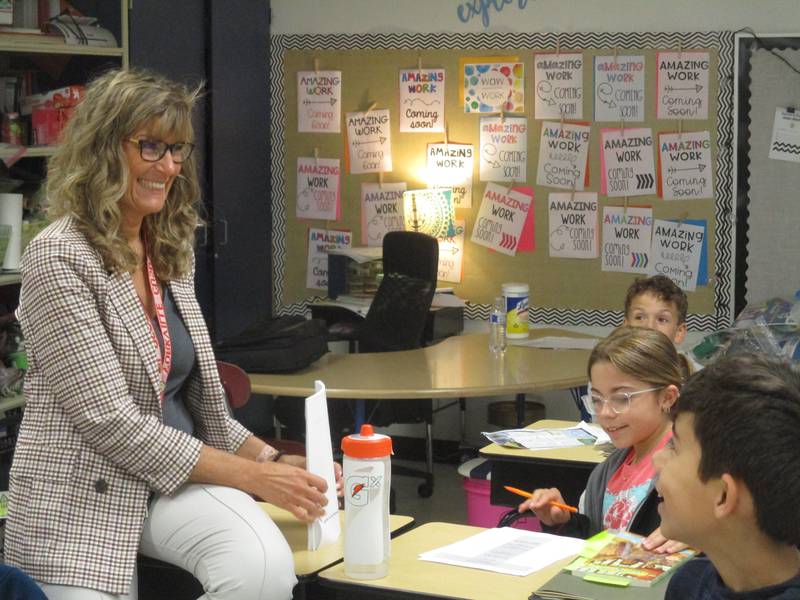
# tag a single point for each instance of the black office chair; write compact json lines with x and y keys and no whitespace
{"x":395,"y":321}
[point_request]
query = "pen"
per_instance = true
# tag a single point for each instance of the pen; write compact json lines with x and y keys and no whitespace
{"x":525,"y":494}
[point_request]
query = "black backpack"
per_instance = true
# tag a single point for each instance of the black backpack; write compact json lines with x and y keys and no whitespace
{"x":276,"y":344}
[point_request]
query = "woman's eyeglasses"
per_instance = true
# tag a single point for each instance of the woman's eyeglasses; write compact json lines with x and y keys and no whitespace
{"x":154,"y":150}
{"x":618,"y":401}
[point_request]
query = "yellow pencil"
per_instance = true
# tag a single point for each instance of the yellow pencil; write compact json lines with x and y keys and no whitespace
{"x":525,"y":494}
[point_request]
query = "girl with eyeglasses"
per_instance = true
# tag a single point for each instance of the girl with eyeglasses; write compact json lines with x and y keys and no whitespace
{"x":635,"y":376}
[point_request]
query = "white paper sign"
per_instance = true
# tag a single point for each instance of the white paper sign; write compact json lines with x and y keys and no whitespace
{"x":573,"y":225}
{"x":451,"y":165}
{"x":785,"y":143}
{"x":492,"y":87}
{"x":421,"y":100}
{"x":559,"y":85}
{"x":626,"y":162}
{"x":319,"y":242}
{"x":619,"y":88}
{"x":626,"y":239}
{"x":319,"y":101}
{"x":504,"y":148}
{"x":676,"y":252}
{"x":369,"y":141}
{"x":500,"y":219}
{"x":451,"y":255}
{"x":682,"y":85}
{"x":381,"y":211}
{"x":686,"y":165}
{"x":318,"y":188}
{"x":563,"y":150}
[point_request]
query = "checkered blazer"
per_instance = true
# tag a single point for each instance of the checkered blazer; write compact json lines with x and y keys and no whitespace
{"x":92,"y":444}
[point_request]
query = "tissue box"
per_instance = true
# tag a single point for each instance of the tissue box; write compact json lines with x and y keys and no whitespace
{"x":47,"y":123}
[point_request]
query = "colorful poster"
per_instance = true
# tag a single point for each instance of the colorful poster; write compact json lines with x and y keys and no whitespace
{"x":421,"y":100}
{"x":573,"y":225}
{"x":676,"y":252}
{"x":504,"y":149}
{"x":494,"y":87}
{"x":563,"y":155}
{"x":451,"y":255}
{"x":682,"y":85}
{"x":451,"y":165}
{"x":619,"y":88}
{"x":318,"y":195}
{"x":430,"y":211}
{"x":319,"y":101}
{"x":626,"y":162}
{"x":626,"y":239}
{"x":381,"y":211}
{"x":785,"y":144}
{"x":558,"y":81}
{"x":369,"y":141}
{"x":319,"y":242}
{"x":685,"y":165}
{"x":500,"y":219}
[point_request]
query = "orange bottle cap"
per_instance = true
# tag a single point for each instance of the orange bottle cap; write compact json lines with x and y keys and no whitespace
{"x":367,"y":444}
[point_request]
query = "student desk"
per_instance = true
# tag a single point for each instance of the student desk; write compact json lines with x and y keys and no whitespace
{"x":458,"y":367}
{"x":307,"y":563}
{"x":565,"y":468}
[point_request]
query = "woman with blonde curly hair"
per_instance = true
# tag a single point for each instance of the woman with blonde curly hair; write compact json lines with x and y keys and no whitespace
{"x":126,"y":445}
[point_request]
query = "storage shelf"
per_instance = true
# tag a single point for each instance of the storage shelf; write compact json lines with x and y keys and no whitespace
{"x":12,"y":43}
{"x":31,"y":151}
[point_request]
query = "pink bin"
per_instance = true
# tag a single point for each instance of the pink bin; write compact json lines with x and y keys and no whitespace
{"x":481,"y":513}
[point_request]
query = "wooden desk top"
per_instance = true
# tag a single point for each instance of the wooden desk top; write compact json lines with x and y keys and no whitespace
{"x":583,"y":454}
{"x":296,"y":533}
{"x":409,"y":574}
{"x":459,"y":366}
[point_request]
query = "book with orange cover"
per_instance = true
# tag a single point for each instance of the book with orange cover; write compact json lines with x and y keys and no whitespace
{"x":619,"y":557}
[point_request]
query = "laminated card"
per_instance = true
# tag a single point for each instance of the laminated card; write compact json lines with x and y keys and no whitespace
{"x":451,"y":165}
{"x":619,"y":88}
{"x":369,"y":141}
{"x":318,"y":195}
{"x":494,"y":87}
{"x":319,"y":106}
{"x":421,"y":100}
{"x":676,"y":252}
{"x":573,"y":225}
{"x":686,"y":165}
{"x":558,"y":82}
{"x":319,"y":242}
{"x":500,"y":219}
{"x":682,"y":85}
{"x":504,"y":149}
{"x":626,"y":239}
{"x":563,"y":155}
{"x":381,"y":211}
{"x":626,"y":162}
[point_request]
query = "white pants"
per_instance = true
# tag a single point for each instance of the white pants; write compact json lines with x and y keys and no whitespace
{"x":218,"y":534}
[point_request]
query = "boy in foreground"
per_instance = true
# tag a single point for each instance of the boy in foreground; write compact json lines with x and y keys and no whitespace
{"x":730,"y":481}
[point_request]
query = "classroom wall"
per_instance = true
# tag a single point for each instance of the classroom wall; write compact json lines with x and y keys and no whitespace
{"x":425,"y":16}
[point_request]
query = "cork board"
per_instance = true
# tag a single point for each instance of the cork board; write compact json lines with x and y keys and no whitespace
{"x":563,"y":291}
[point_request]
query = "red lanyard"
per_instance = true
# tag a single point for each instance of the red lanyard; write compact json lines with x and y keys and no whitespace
{"x":165,"y":361}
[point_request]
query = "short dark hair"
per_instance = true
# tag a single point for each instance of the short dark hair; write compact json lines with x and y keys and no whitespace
{"x":663,"y":288}
{"x":746,"y":410}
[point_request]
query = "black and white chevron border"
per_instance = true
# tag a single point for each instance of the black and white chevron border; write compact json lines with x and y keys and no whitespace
{"x":721,"y":40}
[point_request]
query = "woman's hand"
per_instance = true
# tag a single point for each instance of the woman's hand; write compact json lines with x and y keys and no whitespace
{"x":656,"y":542}
{"x":539,"y":503}
{"x":291,"y":487}
{"x":300,"y":461}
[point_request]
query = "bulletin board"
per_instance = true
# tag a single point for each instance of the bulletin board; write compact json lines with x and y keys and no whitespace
{"x":767,"y":244}
{"x":567,"y":292}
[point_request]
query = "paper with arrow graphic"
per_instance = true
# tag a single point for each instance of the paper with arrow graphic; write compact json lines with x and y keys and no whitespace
{"x":626,"y":162}
{"x":785,"y":144}
{"x":369,"y":142}
{"x":501,"y":218}
{"x":685,"y":160}
{"x":682,"y":85}
{"x":318,"y":195}
{"x":451,"y":255}
{"x":558,"y":84}
{"x":619,"y":88}
{"x":573,"y":225}
{"x":504,"y":149}
{"x":421,"y":100}
{"x":490,"y":87}
{"x":563,"y":155}
{"x":676,"y":251}
{"x":626,"y":239}
{"x":381,"y":211}
{"x":451,"y":165}
{"x":319,"y":101}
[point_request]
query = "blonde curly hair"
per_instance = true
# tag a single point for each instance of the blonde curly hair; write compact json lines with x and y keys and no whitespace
{"x":88,"y":175}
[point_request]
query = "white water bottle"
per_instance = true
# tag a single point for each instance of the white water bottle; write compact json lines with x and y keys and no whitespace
{"x":367,"y":477}
{"x":497,"y":326}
